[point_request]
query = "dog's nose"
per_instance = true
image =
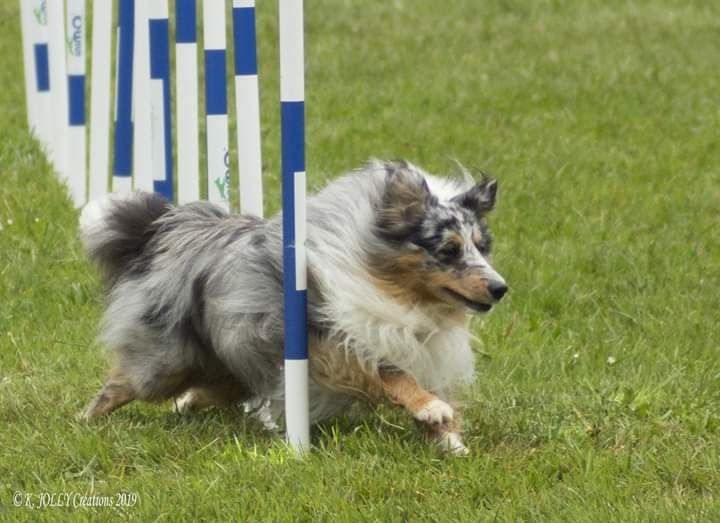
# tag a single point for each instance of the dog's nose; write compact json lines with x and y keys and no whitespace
{"x":497,"y":289}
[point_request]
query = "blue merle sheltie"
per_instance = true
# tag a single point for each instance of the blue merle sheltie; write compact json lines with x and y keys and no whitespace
{"x":398,"y":260}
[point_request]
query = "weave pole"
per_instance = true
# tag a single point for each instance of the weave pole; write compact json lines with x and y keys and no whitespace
{"x":100,"y":98}
{"x":142,"y":76}
{"x":186,"y":80}
{"x":160,"y":98}
{"x":216,"y":103}
{"x":122,"y":165}
{"x":292,"y":106}
{"x":58,"y":85}
{"x":37,"y":68}
{"x":27,"y":21}
{"x":76,"y":148}
{"x":142,"y":148}
{"x":247,"y":106}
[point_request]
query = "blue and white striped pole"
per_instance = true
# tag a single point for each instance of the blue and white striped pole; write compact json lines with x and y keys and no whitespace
{"x":37,"y":69}
{"x":27,"y":21}
{"x":122,"y":168}
{"x":292,"y":96}
{"x":218,"y":156}
{"x":186,"y":74}
{"x":142,"y":148}
{"x":160,"y":98}
{"x":76,"y":166}
{"x":100,"y":98}
{"x":247,"y":105}
{"x":58,"y":85}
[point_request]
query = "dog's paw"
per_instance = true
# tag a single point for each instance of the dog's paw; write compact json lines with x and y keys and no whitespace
{"x":451,"y":442}
{"x":185,"y":403}
{"x":435,"y":412}
{"x":259,"y":409}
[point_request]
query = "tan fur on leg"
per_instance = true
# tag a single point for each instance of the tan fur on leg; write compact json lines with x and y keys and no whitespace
{"x":116,"y":393}
{"x":423,"y":405}
{"x":404,"y":390}
{"x":332,"y":367}
{"x":440,"y":421}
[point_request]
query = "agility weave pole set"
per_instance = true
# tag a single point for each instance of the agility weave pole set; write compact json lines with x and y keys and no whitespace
{"x":54,"y":38}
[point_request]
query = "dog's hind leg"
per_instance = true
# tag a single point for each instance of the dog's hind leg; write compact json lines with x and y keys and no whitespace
{"x":115,"y":393}
{"x":222,"y":394}
{"x":192,"y":399}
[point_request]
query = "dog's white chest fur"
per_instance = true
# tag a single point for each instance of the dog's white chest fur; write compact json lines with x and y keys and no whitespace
{"x":379,"y":331}
{"x":438,"y":356}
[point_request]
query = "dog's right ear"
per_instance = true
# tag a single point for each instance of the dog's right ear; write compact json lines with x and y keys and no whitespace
{"x":405,"y":199}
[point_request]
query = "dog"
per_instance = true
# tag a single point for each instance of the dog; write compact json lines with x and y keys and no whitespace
{"x":398,"y":261}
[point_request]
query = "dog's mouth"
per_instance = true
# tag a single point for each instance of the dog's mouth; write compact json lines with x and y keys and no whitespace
{"x":467,"y":302}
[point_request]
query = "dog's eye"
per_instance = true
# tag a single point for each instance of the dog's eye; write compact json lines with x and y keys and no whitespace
{"x":484,"y":246}
{"x":451,"y":250}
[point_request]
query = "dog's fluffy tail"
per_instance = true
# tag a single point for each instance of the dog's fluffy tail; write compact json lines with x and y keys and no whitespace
{"x":116,"y":230}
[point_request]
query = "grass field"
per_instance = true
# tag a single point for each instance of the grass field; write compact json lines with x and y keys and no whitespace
{"x":598,"y":390}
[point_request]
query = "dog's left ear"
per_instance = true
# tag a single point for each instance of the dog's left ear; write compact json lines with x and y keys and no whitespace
{"x":480,"y":199}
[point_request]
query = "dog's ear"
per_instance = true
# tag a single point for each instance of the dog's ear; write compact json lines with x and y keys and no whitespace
{"x":480,"y":199}
{"x":405,"y":199}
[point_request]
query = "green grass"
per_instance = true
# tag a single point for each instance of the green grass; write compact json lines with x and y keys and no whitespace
{"x":602,"y":122}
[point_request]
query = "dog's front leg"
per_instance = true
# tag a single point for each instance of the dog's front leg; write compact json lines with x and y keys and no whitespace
{"x":331,"y":367}
{"x":423,"y":405}
{"x":441,"y":421}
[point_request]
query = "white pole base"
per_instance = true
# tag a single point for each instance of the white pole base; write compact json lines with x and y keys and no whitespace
{"x":297,"y":412}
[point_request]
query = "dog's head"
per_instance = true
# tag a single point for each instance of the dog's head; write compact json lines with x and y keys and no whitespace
{"x":439,"y":249}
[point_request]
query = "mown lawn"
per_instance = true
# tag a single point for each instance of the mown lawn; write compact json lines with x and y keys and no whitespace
{"x":598,"y":390}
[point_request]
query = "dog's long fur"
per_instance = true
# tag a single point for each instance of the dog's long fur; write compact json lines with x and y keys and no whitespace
{"x":397,"y":259}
